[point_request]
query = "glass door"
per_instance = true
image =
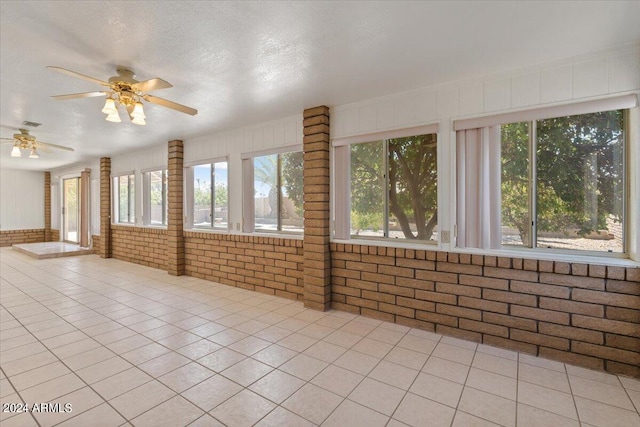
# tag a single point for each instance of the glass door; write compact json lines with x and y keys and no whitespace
{"x":71,"y":210}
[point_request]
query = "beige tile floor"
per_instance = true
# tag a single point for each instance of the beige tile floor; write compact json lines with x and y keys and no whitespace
{"x":130,"y":345}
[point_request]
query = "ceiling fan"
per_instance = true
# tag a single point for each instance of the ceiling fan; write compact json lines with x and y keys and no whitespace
{"x":25,"y":141}
{"x":123,"y":89}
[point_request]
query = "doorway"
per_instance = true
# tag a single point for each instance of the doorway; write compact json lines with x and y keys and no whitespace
{"x":71,"y":210}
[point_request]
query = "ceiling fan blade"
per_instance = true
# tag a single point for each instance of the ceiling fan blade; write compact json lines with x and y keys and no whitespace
{"x":6,"y":140}
{"x":46,"y":144}
{"x":78,"y":95}
{"x":152,"y":84}
{"x":171,"y":104}
{"x":78,"y":75}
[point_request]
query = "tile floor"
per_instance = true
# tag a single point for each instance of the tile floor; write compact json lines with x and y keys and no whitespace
{"x":130,"y":345}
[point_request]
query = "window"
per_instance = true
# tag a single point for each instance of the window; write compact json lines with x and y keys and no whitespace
{"x":276,"y":204}
{"x":394,"y":188}
{"x":155,"y":210}
{"x":209,"y":199}
{"x":563,"y":182}
{"x":124,"y":199}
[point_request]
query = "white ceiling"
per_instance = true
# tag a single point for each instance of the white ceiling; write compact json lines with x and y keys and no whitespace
{"x":241,"y":63}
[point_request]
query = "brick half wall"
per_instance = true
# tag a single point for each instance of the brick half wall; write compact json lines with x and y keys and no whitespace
{"x":269,"y":265}
{"x":15,"y":237}
{"x":582,"y":314}
{"x":146,"y":246}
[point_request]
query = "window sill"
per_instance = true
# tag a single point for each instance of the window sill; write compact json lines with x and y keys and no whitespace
{"x":421,"y":245}
{"x":157,"y":227}
{"x":207,"y":230}
{"x":620,"y":261}
{"x":609,"y":260}
{"x":294,"y":236}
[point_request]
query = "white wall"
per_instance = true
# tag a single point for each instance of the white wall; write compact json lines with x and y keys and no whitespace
{"x":57,"y":175}
{"x":234,"y":143}
{"x":137,"y":162}
{"x":21,"y":199}
{"x":574,"y":79}
{"x":580,"y":78}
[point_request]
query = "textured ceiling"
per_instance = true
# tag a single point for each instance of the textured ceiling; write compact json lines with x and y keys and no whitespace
{"x":240,"y":63}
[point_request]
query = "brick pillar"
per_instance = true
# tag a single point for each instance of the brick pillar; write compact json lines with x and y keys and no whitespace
{"x":317,"y":259}
{"x":47,"y":206}
{"x":175,"y":236}
{"x":105,"y":207}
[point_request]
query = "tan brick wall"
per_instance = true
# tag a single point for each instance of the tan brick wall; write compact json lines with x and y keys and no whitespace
{"x":175,"y":225}
{"x":105,"y":207}
{"x":146,"y":246}
{"x":47,"y":206}
{"x":317,"y":262}
{"x":55,"y":235}
{"x":14,"y":237}
{"x":265,"y":264}
{"x":583,"y":314}
{"x":96,"y":242}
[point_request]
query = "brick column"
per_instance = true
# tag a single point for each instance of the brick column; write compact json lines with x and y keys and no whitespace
{"x":105,"y":207}
{"x":317,"y":258}
{"x":47,"y":206}
{"x":175,"y":236}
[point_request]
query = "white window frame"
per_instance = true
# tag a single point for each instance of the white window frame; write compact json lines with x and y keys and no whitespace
{"x":146,"y":196}
{"x":248,"y":196}
{"x":115,"y":202}
{"x":341,"y":166}
{"x":189,"y":195}
{"x":626,"y":102}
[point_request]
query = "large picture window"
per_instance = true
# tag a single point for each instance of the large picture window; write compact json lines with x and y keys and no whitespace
{"x":124,"y":199}
{"x":394,"y":188}
{"x":209,"y":204}
{"x":277,"y":192}
{"x":563,"y":182}
{"x":156,"y":194}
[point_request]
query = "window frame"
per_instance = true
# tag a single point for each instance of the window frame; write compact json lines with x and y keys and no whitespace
{"x":533,"y":193}
{"x":131,"y":201}
{"x":248,"y":194}
{"x":146,"y":194}
{"x":189,"y":199}
{"x":627,"y":102}
{"x":341,"y":184}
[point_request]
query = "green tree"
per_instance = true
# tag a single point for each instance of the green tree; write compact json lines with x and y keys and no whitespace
{"x":222,"y":195}
{"x":579,"y":173}
{"x":413,"y":183}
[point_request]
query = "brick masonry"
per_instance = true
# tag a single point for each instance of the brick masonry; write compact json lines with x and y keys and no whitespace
{"x":175,"y":236}
{"x":105,"y":207}
{"x":47,"y":207}
{"x":96,"y":242}
{"x":265,"y":264}
{"x":139,"y":245}
{"x":584,"y":314}
{"x":55,"y":235}
{"x":587,"y":315}
{"x":15,"y":237}
{"x":317,"y":262}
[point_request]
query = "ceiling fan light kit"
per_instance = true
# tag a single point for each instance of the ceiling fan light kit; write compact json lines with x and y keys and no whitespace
{"x":24,"y":141}
{"x":125,"y":90}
